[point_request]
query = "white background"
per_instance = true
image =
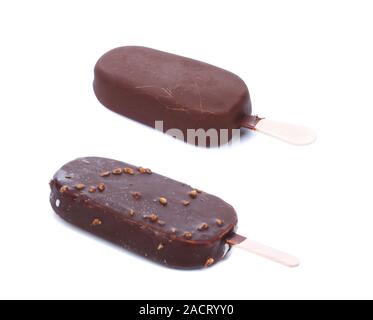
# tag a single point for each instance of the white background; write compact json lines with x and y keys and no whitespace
{"x":308,"y":62}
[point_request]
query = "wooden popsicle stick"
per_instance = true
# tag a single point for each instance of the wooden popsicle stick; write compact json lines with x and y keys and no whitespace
{"x":264,"y":251}
{"x":290,"y":133}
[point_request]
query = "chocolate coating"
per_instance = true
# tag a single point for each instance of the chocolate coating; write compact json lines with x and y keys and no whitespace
{"x":143,"y":212}
{"x":148,"y":85}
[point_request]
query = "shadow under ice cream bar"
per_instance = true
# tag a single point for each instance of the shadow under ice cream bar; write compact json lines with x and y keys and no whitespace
{"x":159,"y":218}
{"x":148,"y":85}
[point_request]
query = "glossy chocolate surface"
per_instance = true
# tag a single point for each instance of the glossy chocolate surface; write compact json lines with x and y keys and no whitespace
{"x":157,"y":217}
{"x":148,"y":85}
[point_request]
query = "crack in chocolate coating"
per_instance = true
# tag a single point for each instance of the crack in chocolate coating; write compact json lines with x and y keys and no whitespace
{"x":148,"y":85}
{"x":141,"y":224}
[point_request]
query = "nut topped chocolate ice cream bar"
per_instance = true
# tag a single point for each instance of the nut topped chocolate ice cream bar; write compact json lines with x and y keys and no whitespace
{"x":159,"y":218}
{"x":152,"y":215}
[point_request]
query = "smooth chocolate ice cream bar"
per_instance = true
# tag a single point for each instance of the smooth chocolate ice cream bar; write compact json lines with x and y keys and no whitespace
{"x":148,"y":85}
{"x":159,"y":218}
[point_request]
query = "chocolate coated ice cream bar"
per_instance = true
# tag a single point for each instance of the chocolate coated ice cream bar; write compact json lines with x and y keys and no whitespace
{"x":159,"y":218}
{"x":182,"y":94}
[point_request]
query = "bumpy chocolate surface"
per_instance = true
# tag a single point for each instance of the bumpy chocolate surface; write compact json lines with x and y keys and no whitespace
{"x":152,"y":215}
{"x":148,"y":85}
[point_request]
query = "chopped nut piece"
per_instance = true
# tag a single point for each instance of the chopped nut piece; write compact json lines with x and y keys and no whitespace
{"x":136,"y":195}
{"x":185,"y":203}
{"x":117,"y":171}
{"x":193,"y":194}
{"x":141,"y":170}
{"x":209,"y":262}
{"x":101,"y":187}
{"x":161,"y":223}
{"x":188,"y":235}
{"x":131,"y":213}
{"x":163,"y":201}
{"x":96,"y":222}
{"x":160,"y":247}
{"x":219,"y":222}
{"x":105,"y":174}
{"x":153,"y":217}
{"x":148,"y":171}
{"x":199,"y":191}
{"x":92,"y":189}
{"x":64,"y":189}
{"x":203,"y":227}
{"x":128,"y":171}
{"x":80,"y":186}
